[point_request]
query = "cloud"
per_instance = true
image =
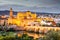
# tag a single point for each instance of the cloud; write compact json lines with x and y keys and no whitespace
{"x":29,"y":3}
{"x":32,"y":5}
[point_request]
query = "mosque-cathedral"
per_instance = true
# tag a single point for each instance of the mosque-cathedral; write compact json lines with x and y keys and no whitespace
{"x":27,"y":18}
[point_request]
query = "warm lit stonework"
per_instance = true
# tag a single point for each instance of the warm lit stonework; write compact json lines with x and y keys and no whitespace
{"x":26,"y":18}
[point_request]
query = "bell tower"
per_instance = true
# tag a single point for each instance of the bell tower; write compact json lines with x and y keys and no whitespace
{"x":11,"y":12}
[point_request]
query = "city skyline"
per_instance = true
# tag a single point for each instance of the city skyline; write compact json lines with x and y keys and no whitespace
{"x":48,"y":6}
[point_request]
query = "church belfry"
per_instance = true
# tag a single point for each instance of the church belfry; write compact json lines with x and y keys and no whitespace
{"x":11,"y":12}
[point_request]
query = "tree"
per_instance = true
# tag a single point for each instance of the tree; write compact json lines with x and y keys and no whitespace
{"x":25,"y":37}
{"x":58,"y":24}
{"x":52,"y":35}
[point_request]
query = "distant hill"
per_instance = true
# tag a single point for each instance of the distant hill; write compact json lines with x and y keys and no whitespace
{"x":6,"y":12}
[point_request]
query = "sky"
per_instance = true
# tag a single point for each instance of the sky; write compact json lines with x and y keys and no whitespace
{"x":48,"y":6}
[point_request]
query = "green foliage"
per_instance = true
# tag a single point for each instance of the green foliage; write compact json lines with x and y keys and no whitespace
{"x":7,"y":36}
{"x":58,"y":24}
{"x":0,"y":28}
{"x":52,"y":35}
{"x":13,"y":36}
{"x":11,"y":29}
{"x":26,"y":37}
